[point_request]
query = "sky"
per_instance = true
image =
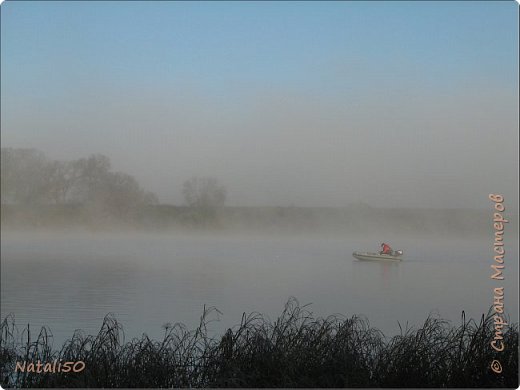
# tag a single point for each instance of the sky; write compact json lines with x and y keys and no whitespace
{"x":393,"y":104}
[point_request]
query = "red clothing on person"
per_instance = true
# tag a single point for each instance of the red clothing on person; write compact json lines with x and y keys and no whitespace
{"x":386,"y":249}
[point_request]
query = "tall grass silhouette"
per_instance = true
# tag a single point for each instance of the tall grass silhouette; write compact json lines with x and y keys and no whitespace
{"x":296,"y":350}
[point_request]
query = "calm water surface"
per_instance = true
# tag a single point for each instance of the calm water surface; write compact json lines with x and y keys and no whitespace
{"x":69,"y":281}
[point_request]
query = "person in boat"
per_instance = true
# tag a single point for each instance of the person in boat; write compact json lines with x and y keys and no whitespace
{"x":386,"y":250}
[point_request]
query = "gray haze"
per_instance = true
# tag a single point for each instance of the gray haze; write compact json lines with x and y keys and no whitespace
{"x":304,"y":104}
{"x":284,"y":148}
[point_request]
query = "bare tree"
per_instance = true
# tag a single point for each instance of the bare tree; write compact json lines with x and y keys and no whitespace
{"x":59,"y":177}
{"x":93,"y":176}
{"x":204,"y":196}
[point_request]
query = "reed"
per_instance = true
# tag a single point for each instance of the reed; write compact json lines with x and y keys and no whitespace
{"x":296,"y":350}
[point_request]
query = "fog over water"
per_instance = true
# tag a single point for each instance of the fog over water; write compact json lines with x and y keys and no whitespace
{"x":158,"y":157}
{"x":147,"y":280}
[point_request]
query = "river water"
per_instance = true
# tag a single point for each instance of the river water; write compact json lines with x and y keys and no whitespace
{"x":71,"y":280}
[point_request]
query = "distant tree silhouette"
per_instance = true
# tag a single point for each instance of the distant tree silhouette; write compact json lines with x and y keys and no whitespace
{"x":204,"y":196}
{"x":28,"y":177}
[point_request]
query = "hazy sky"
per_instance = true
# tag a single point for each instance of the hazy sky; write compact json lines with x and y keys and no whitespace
{"x":304,"y":103}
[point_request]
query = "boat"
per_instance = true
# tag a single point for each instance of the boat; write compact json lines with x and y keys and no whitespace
{"x":373,"y":256}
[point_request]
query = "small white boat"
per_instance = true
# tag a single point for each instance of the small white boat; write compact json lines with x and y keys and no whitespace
{"x":372,"y":256}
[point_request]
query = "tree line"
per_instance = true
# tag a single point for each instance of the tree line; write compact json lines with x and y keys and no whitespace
{"x":29,"y":177}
